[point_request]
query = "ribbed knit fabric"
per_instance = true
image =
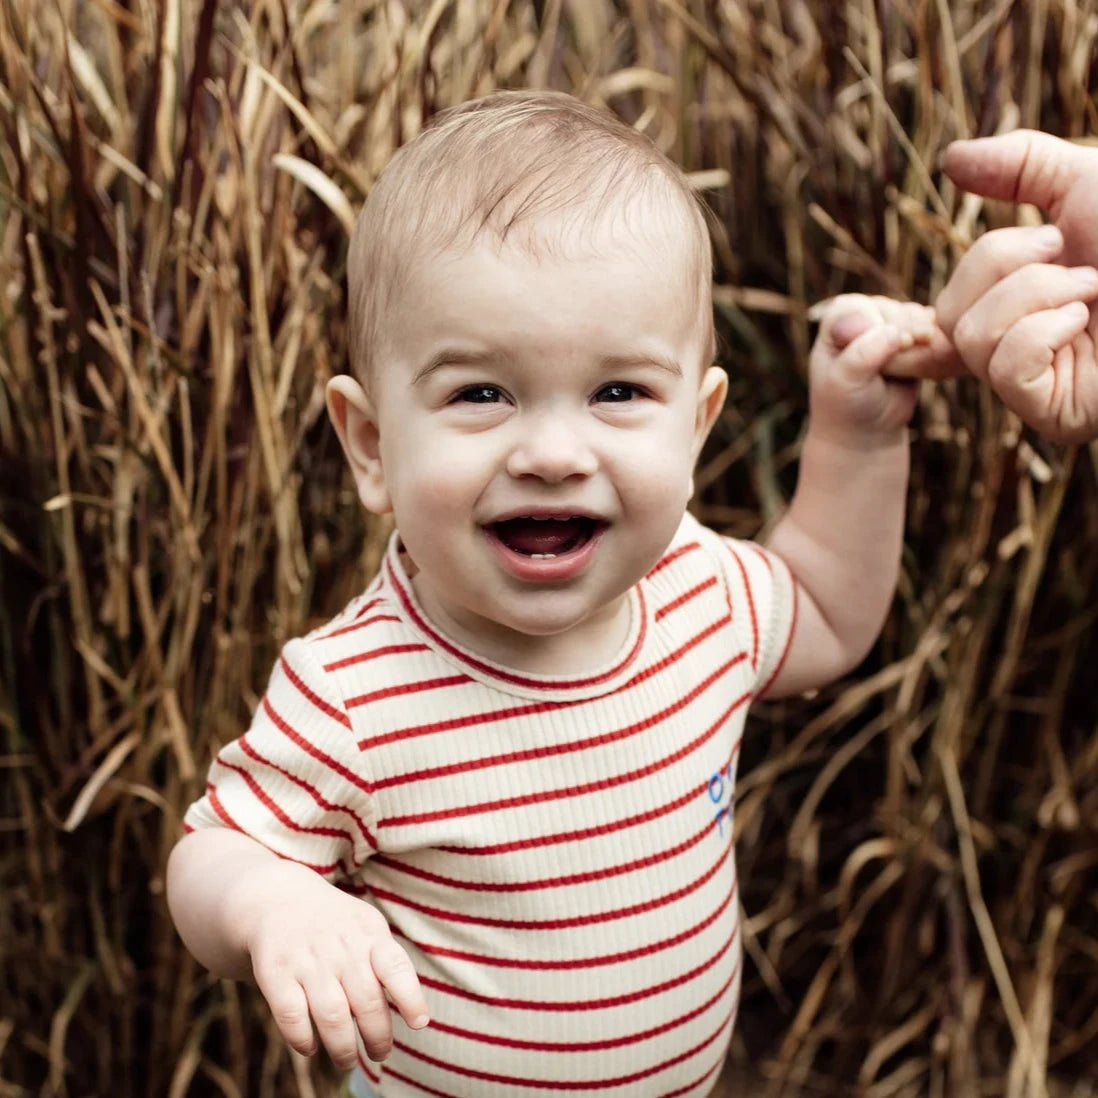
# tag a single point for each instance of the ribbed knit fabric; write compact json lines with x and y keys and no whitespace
{"x":554,"y":852}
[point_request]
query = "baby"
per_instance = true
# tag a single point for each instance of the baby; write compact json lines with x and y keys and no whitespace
{"x":495,"y":793}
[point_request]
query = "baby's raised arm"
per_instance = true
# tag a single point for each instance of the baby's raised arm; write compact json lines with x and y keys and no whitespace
{"x":842,"y":534}
{"x":324,"y":960}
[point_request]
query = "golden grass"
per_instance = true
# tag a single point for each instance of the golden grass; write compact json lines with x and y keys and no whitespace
{"x":918,"y":846}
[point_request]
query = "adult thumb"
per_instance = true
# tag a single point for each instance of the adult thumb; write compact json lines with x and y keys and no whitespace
{"x":1021,"y":166}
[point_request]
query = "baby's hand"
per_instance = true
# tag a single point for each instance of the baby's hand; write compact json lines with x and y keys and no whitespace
{"x":324,"y":961}
{"x":1028,"y":327}
{"x":868,"y":355}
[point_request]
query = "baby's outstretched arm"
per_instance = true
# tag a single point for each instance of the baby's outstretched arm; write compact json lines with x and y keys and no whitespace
{"x":842,"y":534}
{"x":324,"y":960}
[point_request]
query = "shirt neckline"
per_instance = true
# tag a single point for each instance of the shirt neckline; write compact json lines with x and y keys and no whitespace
{"x":602,"y":680}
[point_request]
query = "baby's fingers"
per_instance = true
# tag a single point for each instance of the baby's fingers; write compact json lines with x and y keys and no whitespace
{"x":397,"y":975}
{"x":332,"y":1017}
{"x":371,"y":1012}
{"x":290,"y":1010}
{"x":933,"y":360}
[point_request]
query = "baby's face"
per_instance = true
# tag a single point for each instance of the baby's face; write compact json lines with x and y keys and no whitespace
{"x":539,"y":420}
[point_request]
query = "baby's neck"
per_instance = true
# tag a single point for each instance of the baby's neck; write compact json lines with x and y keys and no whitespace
{"x":591,"y":644}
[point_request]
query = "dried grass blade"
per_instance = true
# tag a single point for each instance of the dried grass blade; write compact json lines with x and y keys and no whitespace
{"x":311,"y":177}
{"x":103,"y":773}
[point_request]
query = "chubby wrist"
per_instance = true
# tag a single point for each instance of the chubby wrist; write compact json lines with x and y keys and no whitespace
{"x":256,"y":892}
{"x":859,"y":442}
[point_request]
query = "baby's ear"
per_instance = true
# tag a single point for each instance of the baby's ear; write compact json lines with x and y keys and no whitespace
{"x":711,"y":394}
{"x":355,"y":421}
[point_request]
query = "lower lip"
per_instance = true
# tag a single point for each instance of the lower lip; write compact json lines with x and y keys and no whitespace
{"x":557,"y":569}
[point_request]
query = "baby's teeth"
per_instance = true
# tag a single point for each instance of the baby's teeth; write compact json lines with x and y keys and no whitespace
{"x":543,"y":556}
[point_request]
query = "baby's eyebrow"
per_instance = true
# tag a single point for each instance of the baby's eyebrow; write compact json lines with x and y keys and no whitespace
{"x":453,"y":356}
{"x":624,"y":362}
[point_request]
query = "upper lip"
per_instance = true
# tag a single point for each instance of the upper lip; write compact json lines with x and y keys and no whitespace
{"x":555,"y":512}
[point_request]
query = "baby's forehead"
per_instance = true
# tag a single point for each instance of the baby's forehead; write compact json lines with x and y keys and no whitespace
{"x":646,"y":225}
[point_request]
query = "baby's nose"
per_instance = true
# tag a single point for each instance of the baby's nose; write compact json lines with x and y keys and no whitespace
{"x":551,"y":448}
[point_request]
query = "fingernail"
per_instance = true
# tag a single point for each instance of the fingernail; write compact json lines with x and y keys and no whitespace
{"x":907,"y":340}
{"x":1048,"y":236}
{"x":419,"y":1021}
{"x":1086,"y":277}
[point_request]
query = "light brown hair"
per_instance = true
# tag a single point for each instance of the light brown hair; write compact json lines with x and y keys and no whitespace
{"x":497,"y":165}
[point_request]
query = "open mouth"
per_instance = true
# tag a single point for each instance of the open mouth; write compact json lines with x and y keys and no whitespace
{"x":546,"y":538}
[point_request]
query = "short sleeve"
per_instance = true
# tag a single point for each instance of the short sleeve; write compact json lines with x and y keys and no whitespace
{"x":763,"y":594}
{"x":295,"y":781}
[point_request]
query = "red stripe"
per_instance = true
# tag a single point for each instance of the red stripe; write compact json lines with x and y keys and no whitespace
{"x":294,"y":736}
{"x":572,"y":1006}
{"x":556,"y":924}
{"x":750,"y":607}
{"x":533,"y":708}
{"x":685,"y":597}
{"x":377,"y":600}
{"x":762,"y":554}
{"x":568,"y":791}
{"x":676,"y":1093}
{"x":506,"y":676}
{"x":283,"y":818}
{"x":406,"y":688}
{"x":589,"y":1046}
{"x":220,"y":809}
{"x":557,"y":882}
{"x":598,"y":830}
{"x":317,"y":701}
{"x":579,"y":962}
{"x":412,"y":1083}
{"x":358,"y":624}
{"x":375,"y":653}
{"x":246,"y":746}
{"x":788,"y":644}
{"x":576,"y":1084}
{"x":705,"y":1075}
{"x":217,"y":805}
{"x":673,"y":556}
{"x":488,"y":716}
{"x":603,"y":739}
{"x":557,"y":837}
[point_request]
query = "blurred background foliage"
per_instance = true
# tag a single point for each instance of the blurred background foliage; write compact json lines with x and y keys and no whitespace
{"x":918,"y":844}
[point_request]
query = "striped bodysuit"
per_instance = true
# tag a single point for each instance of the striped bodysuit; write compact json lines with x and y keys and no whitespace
{"x":554,"y":853}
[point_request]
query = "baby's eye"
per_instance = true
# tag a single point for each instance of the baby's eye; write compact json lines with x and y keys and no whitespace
{"x":478,"y":394}
{"x":619,"y":391}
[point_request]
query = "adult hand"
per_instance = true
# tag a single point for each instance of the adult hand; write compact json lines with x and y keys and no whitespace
{"x":1020,"y":307}
{"x":1034,"y":167}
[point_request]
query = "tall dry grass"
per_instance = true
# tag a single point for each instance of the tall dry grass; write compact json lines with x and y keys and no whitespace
{"x":177,"y":177}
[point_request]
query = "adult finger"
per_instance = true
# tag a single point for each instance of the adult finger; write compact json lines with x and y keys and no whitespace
{"x":1033,"y":289}
{"x":1036,"y":373}
{"x":933,"y":360}
{"x":994,"y":256}
{"x":395,"y":972}
{"x":1022,"y":166}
